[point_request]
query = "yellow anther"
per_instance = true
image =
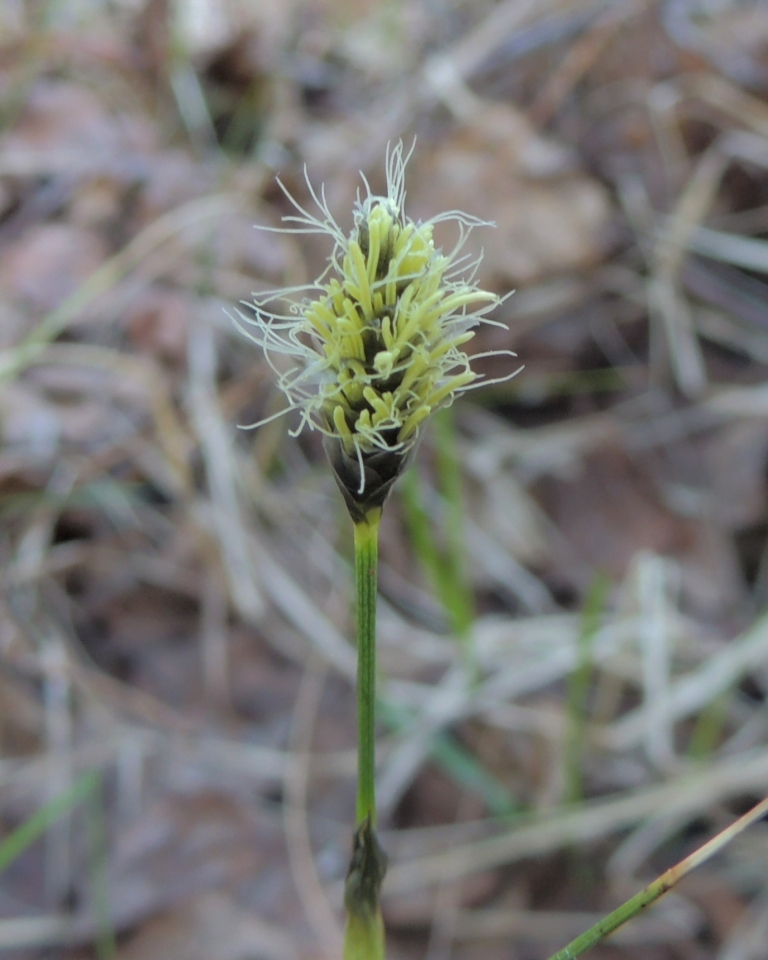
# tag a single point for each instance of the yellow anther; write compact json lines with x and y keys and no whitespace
{"x":418,"y":416}
{"x":355,"y":263}
{"x":319,"y":323}
{"x":350,"y":311}
{"x":378,"y":404}
{"x":417,"y":364}
{"x":340,"y":422}
{"x":383,"y":362}
{"x":364,"y":420}
{"x":443,"y":346}
{"x":386,"y":333}
{"x":454,"y":384}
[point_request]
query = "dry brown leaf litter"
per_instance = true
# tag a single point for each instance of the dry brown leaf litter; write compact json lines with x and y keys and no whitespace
{"x":168,"y":582}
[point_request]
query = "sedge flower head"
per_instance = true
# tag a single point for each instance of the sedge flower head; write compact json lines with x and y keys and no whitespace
{"x":378,"y":339}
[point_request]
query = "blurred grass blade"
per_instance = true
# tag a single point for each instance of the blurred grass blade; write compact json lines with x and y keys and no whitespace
{"x":108,"y":275}
{"x":466,"y":769}
{"x":106,"y":946}
{"x":460,"y":600}
{"x":709,"y":727}
{"x":461,"y":765}
{"x":25,"y":835}
{"x":446,"y":567}
{"x":87,"y":788}
{"x":578,"y":687}
{"x":749,"y":253}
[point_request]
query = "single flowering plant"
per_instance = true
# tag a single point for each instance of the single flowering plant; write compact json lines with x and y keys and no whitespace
{"x":378,"y":339}
{"x":378,"y":343}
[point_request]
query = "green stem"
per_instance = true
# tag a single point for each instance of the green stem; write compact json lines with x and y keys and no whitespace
{"x":366,"y":567}
{"x":364,"y":934}
{"x":659,"y":887}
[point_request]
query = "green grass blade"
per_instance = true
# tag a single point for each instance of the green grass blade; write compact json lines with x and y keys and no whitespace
{"x":25,"y":835}
{"x":458,"y":595}
{"x":106,"y":945}
{"x":439,"y":546}
{"x":708,"y":729}
{"x":659,"y":887}
{"x":459,"y":763}
{"x":578,"y":687}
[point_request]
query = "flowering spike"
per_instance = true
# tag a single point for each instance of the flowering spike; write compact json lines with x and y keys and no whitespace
{"x":378,"y":348}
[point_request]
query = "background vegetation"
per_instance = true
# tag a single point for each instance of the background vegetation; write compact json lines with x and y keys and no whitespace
{"x":573,"y":645}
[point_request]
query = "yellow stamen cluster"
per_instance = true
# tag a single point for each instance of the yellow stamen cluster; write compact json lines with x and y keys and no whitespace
{"x":379,"y":345}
